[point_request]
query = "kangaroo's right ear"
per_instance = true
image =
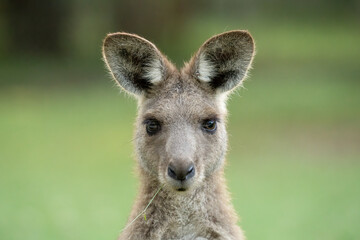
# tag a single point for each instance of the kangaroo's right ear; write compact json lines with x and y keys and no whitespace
{"x":135,"y":63}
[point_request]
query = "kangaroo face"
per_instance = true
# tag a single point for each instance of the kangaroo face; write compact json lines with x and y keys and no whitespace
{"x":180,"y":131}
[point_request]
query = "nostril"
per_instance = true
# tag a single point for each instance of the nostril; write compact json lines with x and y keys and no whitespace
{"x":171,"y":172}
{"x":191,"y":169}
{"x":191,"y":172}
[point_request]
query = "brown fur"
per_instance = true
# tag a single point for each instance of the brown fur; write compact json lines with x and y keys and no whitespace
{"x":181,"y":101}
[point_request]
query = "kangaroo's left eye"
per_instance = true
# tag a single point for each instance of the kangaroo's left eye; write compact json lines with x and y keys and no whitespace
{"x":209,"y":125}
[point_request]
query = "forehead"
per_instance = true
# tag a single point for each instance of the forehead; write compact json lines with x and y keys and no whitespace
{"x":180,"y":98}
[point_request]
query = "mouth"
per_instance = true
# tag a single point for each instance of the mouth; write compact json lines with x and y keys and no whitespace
{"x":180,"y":187}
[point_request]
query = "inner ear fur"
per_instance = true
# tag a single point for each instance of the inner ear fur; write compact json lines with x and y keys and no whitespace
{"x":134,"y":62}
{"x":223,"y":61}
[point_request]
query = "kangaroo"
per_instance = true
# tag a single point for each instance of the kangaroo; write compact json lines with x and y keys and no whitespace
{"x":180,"y":137}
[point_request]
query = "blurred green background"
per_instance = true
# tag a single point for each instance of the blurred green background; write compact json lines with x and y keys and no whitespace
{"x":66,"y":165}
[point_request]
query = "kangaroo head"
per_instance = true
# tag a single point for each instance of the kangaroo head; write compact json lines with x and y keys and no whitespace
{"x":181,"y":137}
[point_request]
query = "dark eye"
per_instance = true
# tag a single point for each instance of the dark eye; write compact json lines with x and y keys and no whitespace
{"x":209,"y":125}
{"x":152,"y":126}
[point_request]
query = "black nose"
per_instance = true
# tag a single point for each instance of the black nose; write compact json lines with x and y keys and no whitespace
{"x":181,"y":172}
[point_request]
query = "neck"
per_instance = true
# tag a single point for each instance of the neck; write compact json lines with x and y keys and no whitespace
{"x":181,"y":212}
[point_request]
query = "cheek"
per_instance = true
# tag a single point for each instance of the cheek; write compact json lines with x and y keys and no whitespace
{"x":148,"y":151}
{"x":145,"y":153}
{"x":214,"y":151}
{"x":222,"y":144}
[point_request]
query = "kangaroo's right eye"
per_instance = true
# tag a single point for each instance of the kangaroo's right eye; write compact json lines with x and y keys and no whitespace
{"x":152,"y":126}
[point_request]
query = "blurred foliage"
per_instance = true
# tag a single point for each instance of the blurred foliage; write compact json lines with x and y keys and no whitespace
{"x":76,"y":28}
{"x":66,"y":167}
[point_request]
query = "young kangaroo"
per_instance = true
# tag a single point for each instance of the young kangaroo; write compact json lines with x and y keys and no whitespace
{"x":181,"y":139}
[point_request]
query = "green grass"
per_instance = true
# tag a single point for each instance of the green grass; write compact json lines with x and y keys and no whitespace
{"x":66,"y":165}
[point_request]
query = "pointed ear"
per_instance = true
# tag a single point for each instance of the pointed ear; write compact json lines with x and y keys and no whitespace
{"x":135,"y":63}
{"x":223,"y":61}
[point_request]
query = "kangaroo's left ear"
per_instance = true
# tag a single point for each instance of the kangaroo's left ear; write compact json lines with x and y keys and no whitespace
{"x":222,"y":61}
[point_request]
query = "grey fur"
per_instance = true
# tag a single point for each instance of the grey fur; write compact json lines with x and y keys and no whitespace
{"x":229,"y":55}
{"x":133,"y":62}
{"x":181,"y":101}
